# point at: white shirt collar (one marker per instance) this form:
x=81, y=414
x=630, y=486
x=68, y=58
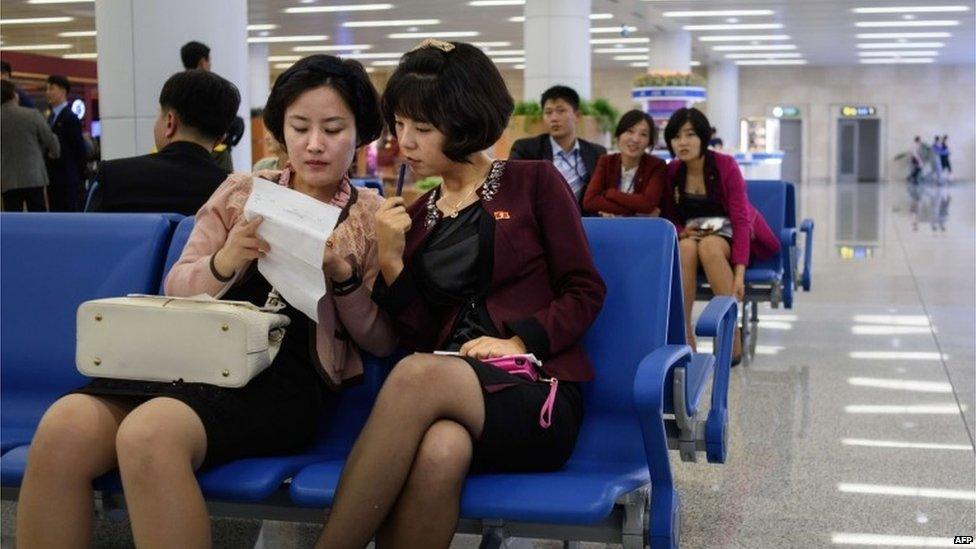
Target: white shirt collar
x=556, y=148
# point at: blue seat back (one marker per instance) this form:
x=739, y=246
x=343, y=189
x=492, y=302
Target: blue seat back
x=636, y=258
x=176, y=245
x=369, y=184
x=51, y=264
x=769, y=197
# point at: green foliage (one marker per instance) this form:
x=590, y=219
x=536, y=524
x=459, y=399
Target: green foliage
x=428, y=183
x=670, y=79
x=601, y=109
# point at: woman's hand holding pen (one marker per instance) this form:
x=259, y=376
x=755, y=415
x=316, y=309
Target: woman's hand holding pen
x=392, y=224
x=242, y=246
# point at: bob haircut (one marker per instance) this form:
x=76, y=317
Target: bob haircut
x=631, y=119
x=702, y=128
x=457, y=89
x=347, y=77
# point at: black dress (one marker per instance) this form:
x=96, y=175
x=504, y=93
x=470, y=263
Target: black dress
x=454, y=268
x=277, y=412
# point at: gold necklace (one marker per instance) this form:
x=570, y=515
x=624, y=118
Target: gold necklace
x=457, y=207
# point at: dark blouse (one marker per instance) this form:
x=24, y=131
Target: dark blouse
x=455, y=270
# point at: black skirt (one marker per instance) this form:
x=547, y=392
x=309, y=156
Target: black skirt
x=512, y=439
x=276, y=413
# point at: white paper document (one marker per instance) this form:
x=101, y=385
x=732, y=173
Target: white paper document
x=296, y=227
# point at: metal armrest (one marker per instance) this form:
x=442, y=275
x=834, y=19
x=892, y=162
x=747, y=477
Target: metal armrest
x=807, y=227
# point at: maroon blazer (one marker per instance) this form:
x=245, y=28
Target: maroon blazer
x=723, y=179
x=544, y=286
x=603, y=193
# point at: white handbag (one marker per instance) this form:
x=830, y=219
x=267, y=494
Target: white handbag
x=198, y=339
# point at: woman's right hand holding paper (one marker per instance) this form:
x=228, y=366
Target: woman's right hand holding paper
x=242, y=246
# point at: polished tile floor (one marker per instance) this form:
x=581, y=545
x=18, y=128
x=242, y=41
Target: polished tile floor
x=854, y=424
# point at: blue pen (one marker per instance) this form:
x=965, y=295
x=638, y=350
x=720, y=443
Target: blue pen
x=399, y=186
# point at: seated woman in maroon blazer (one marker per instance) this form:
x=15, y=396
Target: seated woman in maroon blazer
x=494, y=262
x=717, y=227
x=630, y=182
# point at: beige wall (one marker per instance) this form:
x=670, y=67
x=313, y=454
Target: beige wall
x=912, y=100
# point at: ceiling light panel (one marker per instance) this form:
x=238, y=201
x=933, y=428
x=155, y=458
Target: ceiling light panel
x=391, y=23
x=279, y=39
x=744, y=37
x=912, y=9
x=718, y=13
x=342, y=8
x=884, y=24
x=733, y=27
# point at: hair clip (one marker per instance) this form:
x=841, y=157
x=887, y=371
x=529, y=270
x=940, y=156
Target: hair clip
x=434, y=43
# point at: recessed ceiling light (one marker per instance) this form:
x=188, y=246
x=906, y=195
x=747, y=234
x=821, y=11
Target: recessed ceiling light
x=893, y=60
x=642, y=64
x=519, y=67
x=38, y=47
x=740, y=37
x=422, y=35
x=73, y=34
x=770, y=55
x=732, y=20
x=743, y=26
x=332, y=47
x=292, y=58
x=504, y=53
x=899, y=45
x=908, y=17
x=509, y=60
x=282, y=65
x=610, y=30
x=391, y=23
x=390, y=63
x=890, y=330
x=599, y=16
x=490, y=3
x=342, y=8
x=912, y=9
x=932, y=23
x=635, y=40
x=35, y=20
x=772, y=62
x=756, y=47
x=630, y=58
x=621, y=49
x=695, y=63
x=264, y=33
x=383, y=55
x=413, y=29
x=295, y=38
x=262, y=27
x=517, y=19
x=892, y=35
x=718, y=13
x=491, y=44
x=80, y=56
x=59, y=1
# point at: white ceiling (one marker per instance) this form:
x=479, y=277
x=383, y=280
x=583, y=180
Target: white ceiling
x=822, y=31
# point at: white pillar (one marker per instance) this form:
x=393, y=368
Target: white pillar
x=259, y=75
x=139, y=48
x=723, y=102
x=670, y=52
x=556, y=35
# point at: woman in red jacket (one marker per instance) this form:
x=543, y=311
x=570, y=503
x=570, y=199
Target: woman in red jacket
x=630, y=182
x=494, y=262
x=718, y=229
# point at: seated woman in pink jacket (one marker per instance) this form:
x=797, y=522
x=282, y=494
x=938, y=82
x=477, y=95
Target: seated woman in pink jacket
x=631, y=181
x=158, y=434
x=717, y=227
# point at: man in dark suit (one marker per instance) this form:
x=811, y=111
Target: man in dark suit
x=66, y=174
x=575, y=158
x=195, y=109
x=6, y=73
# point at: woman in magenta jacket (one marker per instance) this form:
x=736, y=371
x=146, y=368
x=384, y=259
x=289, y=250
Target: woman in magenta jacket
x=705, y=184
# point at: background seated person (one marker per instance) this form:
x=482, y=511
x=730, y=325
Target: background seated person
x=708, y=184
x=631, y=181
x=195, y=108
